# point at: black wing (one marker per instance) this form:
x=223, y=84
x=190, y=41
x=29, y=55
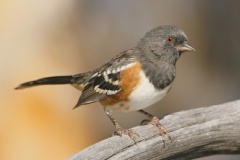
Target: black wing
x=106, y=80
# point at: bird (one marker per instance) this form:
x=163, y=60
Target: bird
x=133, y=80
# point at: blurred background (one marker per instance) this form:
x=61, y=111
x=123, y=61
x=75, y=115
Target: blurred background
x=60, y=37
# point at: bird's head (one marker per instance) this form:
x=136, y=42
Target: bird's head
x=165, y=42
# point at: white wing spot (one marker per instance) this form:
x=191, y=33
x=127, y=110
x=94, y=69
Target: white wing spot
x=94, y=75
x=119, y=70
x=108, y=72
x=101, y=90
x=115, y=82
x=123, y=67
x=97, y=90
x=96, y=87
x=86, y=84
x=114, y=71
x=105, y=76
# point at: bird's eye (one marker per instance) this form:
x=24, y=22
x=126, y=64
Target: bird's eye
x=169, y=39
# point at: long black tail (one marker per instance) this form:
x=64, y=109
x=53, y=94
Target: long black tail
x=47, y=81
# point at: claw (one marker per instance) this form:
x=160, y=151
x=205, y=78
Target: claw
x=130, y=133
x=162, y=130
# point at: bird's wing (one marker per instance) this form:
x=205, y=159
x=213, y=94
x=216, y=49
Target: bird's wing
x=105, y=81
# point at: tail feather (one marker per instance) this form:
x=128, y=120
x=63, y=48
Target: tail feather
x=46, y=81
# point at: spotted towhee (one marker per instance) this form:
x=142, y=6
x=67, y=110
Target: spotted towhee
x=134, y=79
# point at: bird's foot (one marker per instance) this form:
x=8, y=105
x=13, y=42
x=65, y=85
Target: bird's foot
x=162, y=130
x=129, y=132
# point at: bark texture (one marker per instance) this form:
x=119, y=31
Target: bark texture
x=196, y=133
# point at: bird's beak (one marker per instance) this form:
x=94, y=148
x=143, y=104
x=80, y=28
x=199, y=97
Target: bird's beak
x=185, y=47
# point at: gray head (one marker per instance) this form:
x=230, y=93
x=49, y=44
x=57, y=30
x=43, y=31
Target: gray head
x=165, y=43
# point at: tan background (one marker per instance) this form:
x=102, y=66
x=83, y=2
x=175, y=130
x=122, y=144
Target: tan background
x=44, y=38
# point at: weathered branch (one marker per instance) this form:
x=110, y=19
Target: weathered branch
x=196, y=133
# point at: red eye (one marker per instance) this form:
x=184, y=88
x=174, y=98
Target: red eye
x=169, y=39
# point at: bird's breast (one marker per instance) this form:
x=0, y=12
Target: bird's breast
x=141, y=92
x=145, y=94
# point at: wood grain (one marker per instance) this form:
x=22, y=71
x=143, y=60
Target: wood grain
x=196, y=133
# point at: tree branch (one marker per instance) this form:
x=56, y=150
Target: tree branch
x=196, y=133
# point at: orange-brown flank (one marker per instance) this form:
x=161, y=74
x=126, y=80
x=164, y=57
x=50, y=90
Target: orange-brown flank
x=129, y=79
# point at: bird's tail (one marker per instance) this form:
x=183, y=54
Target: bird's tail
x=47, y=81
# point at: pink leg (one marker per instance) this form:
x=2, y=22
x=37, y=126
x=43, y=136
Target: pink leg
x=155, y=122
x=119, y=129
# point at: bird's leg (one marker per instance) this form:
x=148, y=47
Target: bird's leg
x=120, y=131
x=155, y=122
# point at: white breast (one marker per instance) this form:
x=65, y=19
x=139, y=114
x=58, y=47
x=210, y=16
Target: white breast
x=143, y=96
